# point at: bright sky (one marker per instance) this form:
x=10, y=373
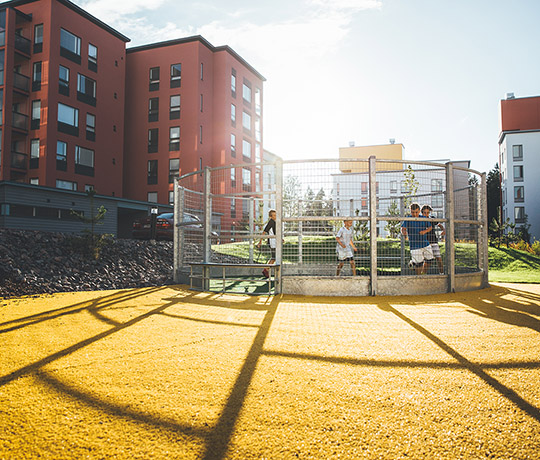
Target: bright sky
x=429, y=73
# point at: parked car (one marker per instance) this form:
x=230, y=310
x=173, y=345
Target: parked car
x=164, y=226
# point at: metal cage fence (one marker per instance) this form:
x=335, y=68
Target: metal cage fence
x=220, y=215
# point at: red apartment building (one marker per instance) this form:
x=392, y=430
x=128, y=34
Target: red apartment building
x=188, y=105
x=62, y=97
x=80, y=112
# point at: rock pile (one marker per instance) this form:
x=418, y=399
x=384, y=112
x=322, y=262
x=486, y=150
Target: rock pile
x=41, y=262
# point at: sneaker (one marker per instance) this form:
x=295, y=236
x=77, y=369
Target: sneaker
x=265, y=273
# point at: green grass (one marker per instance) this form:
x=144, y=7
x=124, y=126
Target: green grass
x=505, y=264
x=513, y=266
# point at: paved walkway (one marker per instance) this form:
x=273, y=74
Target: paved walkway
x=168, y=373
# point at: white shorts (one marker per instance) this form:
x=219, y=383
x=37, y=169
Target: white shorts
x=418, y=256
x=436, y=250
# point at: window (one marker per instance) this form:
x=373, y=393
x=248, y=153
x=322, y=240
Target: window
x=364, y=187
x=61, y=151
x=233, y=83
x=246, y=121
x=257, y=153
x=246, y=149
x=437, y=201
x=233, y=177
x=38, y=38
x=70, y=46
x=364, y=203
x=151, y=197
x=2, y=27
x=246, y=180
x=36, y=114
x=92, y=57
x=517, y=152
x=84, y=161
x=174, y=138
x=201, y=103
x=233, y=114
x=174, y=112
x=257, y=101
x=176, y=75
x=436, y=185
x=90, y=127
x=153, y=140
x=68, y=119
x=171, y=197
x=66, y=185
x=34, y=154
x=257, y=129
x=86, y=90
x=233, y=146
x=246, y=92
x=152, y=177
x=519, y=214
x=518, y=173
x=519, y=193
x=174, y=168
x=34, y=180
x=202, y=71
x=233, y=208
x=200, y=134
x=153, y=109
x=2, y=52
x=36, y=76
x=63, y=80
x=393, y=186
x=154, y=79
x=88, y=187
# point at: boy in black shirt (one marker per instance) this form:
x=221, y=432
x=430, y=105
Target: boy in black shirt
x=270, y=229
x=432, y=238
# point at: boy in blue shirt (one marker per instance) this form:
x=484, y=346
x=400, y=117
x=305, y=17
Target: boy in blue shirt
x=421, y=252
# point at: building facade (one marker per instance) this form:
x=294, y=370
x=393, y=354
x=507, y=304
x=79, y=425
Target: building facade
x=188, y=105
x=80, y=112
x=519, y=161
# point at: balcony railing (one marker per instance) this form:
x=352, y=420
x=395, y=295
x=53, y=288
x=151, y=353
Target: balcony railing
x=20, y=121
x=18, y=160
x=21, y=81
x=22, y=44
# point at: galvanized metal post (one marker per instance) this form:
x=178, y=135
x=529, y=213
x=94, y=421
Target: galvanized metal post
x=178, y=243
x=485, y=224
x=207, y=226
x=373, y=222
x=450, y=231
x=251, y=227
x=402, y=237
x=300, y=232
x=279, y=224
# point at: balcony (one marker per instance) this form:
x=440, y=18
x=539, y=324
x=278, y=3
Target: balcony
x=21, y=82
x=18, y=160
x=23, y=44
x=20, y=121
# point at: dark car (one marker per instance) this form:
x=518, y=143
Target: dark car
x=164, y=226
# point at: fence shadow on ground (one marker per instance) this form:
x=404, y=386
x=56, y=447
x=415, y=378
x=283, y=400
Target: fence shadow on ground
x=492, y=303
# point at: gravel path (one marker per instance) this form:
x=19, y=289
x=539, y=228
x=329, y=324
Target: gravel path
x=166, y=373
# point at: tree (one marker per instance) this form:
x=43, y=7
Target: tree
x=411, y=186
x=291, y=196
x=94, y=243
x=393, y=226
x=493, y=182
x=523, y=230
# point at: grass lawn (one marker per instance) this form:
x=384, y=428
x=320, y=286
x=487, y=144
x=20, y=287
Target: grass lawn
x=505, y=264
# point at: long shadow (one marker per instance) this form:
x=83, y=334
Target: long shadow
x=220, y=436
x=502, y=389
x=93, y=306
x=495, y=307
x=73, y=348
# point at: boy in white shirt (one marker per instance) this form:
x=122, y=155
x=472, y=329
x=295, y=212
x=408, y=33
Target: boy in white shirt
x=345, y=246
